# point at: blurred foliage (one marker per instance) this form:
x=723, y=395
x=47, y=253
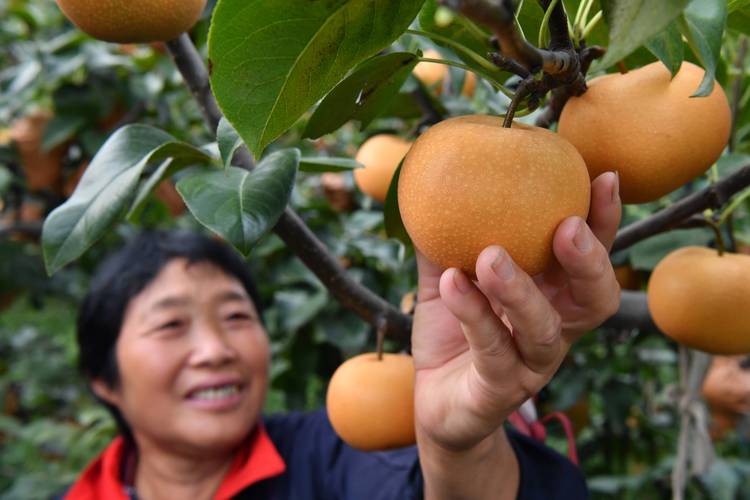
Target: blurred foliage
x=619, y=387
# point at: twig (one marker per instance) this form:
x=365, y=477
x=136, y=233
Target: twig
x=711, y=197
x=510, y=65
x=290, y=228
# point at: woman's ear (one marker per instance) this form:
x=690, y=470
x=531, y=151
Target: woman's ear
x=104, y=392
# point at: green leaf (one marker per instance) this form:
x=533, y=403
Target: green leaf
x=730, y=163
x=229, y=141
x=739, y=20
x=632, y=23
x=153, y=180
x=271, y=61
x=668, y=47
x=107, y=190
x=733, y=5
x=394, y=226
x=530, y=18
x=242, y=205
x=703, y=25
x=646, y=254
x=363, y=95
x=324, y=164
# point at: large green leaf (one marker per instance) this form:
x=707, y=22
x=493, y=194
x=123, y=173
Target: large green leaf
x=668, y=47
x=271, y=61
x=703, y=25
x=363, y=95
x=242, y=205
x=107, y=190
x=633, y=22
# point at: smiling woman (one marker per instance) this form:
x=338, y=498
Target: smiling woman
x=172, y=341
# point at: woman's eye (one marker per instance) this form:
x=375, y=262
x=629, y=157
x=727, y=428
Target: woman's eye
x=238, y=316
x=171, y=325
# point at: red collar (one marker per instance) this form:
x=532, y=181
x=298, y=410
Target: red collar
x=258, y=459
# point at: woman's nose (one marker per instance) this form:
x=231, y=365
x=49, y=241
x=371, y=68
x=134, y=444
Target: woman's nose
x=211, y=345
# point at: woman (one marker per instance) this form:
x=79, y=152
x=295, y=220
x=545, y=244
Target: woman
x=172, y=341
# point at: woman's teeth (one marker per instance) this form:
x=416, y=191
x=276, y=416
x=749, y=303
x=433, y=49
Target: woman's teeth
x=216, y=392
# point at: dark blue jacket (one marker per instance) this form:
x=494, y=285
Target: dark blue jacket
x=298, y=456
x=321, y=467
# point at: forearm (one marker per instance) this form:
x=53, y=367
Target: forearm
x=487, y=471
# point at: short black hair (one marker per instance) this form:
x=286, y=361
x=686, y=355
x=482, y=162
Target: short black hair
x=122, y=276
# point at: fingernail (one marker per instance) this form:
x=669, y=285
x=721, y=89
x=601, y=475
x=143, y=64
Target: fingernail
x=503, y=266
x=462, y=282
x=616, y=187
x=582, y=238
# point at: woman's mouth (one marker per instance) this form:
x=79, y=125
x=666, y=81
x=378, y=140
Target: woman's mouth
x=219, y=397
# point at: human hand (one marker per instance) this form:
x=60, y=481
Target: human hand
x=481, y=349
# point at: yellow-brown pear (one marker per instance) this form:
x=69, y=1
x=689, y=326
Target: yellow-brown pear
x=370, y=401
x=468, y=183
x=646, y=126
x=133, y=21
x=701, y=299
x=380, y=155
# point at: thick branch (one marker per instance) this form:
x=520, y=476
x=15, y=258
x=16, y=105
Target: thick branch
x=711, y=197
x=190, y=63
x=326, y=267
x=290, y=227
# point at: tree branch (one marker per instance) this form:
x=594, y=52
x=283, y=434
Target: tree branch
x=290, y=228
x=564, y=67
x=190, y=64
x=499, y=16
x=711, y=197
x=633, y=313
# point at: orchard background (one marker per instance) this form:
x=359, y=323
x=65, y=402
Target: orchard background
x=66, y=99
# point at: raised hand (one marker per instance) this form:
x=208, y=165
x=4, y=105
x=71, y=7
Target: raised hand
x=482, y=348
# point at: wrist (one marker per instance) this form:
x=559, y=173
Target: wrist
x=487, y=470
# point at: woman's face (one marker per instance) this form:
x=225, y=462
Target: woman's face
x=193, y=360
